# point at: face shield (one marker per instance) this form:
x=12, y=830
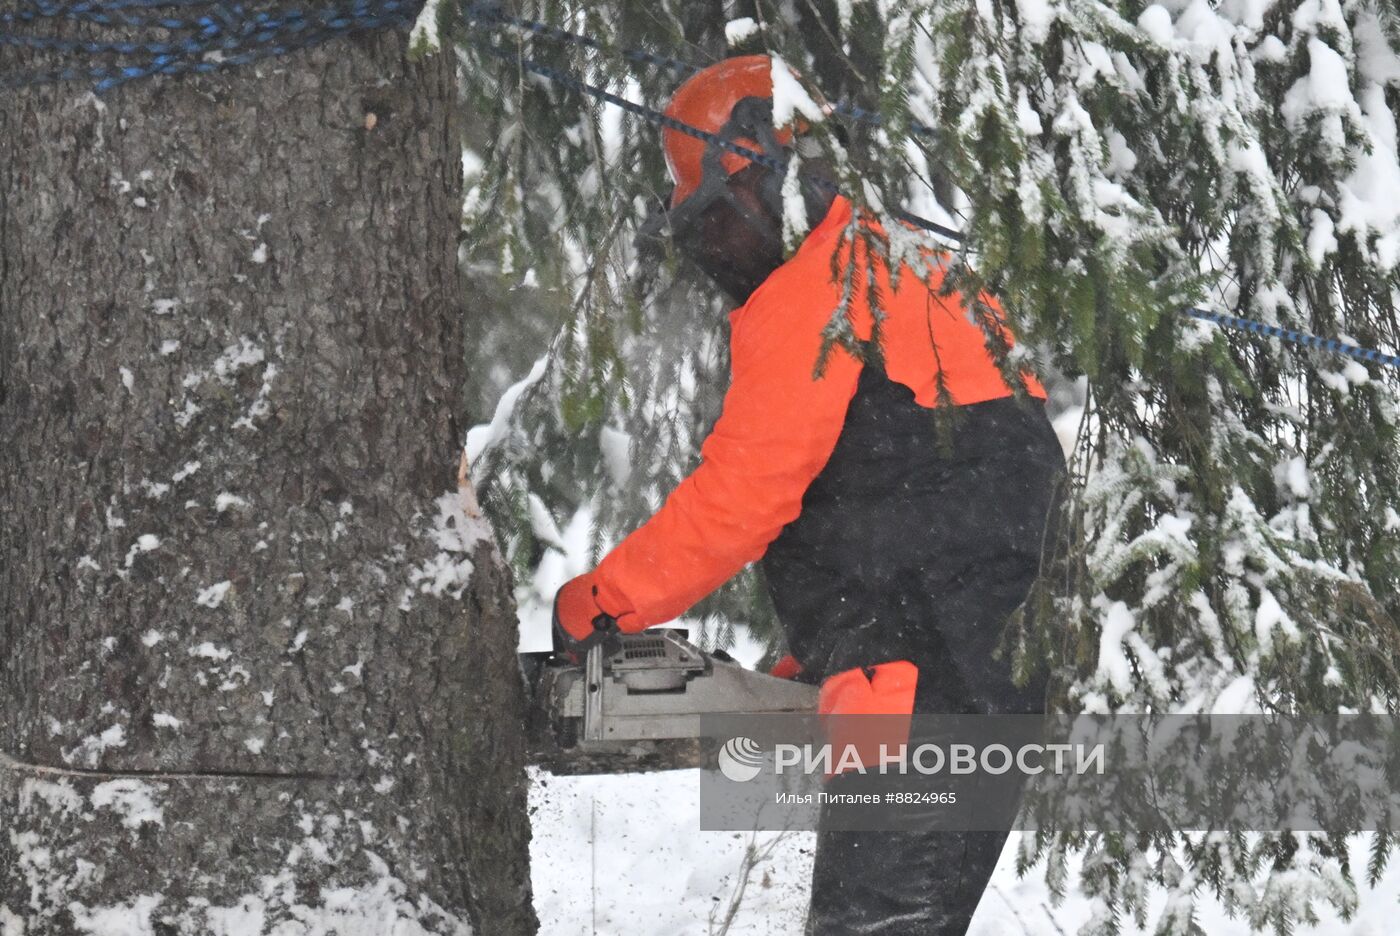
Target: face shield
x=731, y=224
x=750, y=125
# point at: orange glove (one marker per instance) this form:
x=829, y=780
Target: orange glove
x=786, y=668
x=578, y=620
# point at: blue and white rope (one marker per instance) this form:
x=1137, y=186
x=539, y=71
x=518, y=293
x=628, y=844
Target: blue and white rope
x=1333, y=345
x=191, y=36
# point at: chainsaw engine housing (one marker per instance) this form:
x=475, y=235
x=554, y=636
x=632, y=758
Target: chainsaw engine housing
x=637, y=701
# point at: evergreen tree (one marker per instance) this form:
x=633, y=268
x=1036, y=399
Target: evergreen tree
x=257, y=656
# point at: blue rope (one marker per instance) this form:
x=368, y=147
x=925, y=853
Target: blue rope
x=105, y=13
x=1370, y=355
x=217, y=35
x=260, y=29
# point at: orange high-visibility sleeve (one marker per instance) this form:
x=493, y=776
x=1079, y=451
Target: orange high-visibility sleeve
x=776, y=431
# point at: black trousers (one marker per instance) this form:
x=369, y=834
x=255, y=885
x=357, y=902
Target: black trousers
x=900, y=883
x=929, y=883
x=917, y=542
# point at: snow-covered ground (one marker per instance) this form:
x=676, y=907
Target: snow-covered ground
x=623, y=856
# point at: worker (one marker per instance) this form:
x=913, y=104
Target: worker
x=895, y=547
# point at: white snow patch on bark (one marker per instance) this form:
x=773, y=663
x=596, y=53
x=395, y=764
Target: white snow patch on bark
x=213, y=596
x=133, y=919
x=237, y=678
x=144, y=544
x=154, y=489
x=90, y=750
x=211, y=652
x=380, y=908
x=133, y=799
x=456, y=535
x=247, y=917
x=236, y=357
x=11, y=924
x=164, y=720
x=59, y=797
x=188, y=469
x=226, y=501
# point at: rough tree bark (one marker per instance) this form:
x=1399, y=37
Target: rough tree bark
x=256, y=660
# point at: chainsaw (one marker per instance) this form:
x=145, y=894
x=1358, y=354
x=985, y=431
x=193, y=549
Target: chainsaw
x=635, y=702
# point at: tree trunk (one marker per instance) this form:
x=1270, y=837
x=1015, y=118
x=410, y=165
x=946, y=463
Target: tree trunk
x=257, y=659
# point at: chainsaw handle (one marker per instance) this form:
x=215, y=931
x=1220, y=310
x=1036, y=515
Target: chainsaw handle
x=604, y=628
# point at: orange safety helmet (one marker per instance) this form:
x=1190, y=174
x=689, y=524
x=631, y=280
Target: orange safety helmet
x=706, y=101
